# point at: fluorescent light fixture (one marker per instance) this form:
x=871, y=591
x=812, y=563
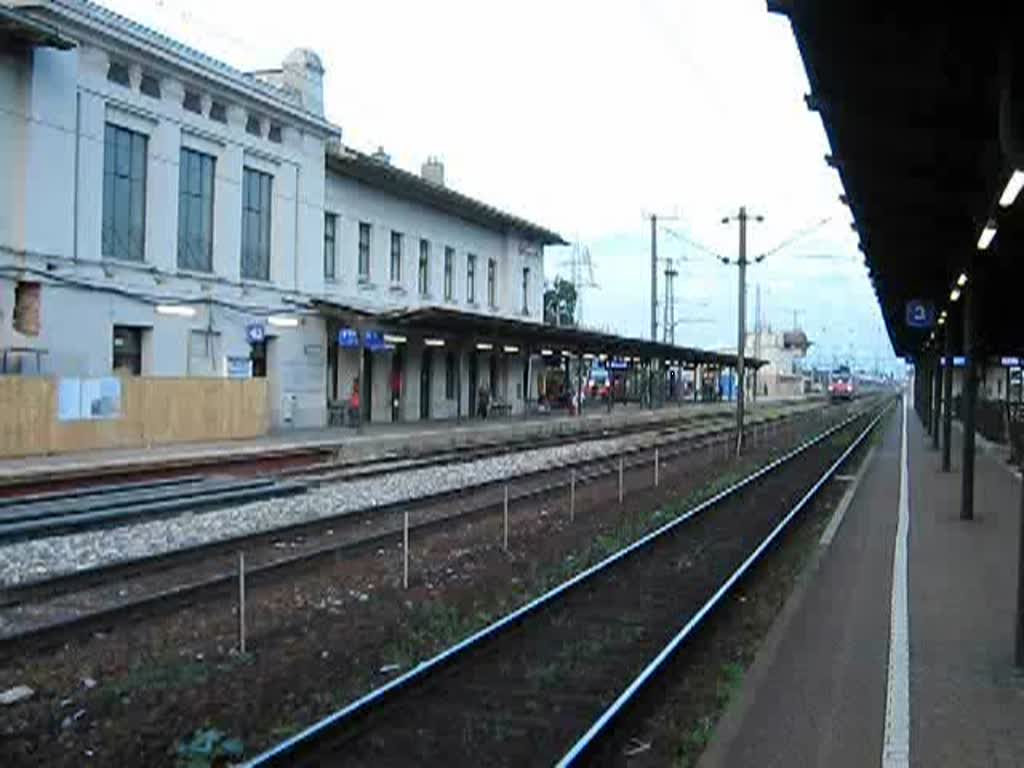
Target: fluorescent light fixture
x=954, y=294
x=483, y=346
x=1013, y=187
x=178, y=310
x=566, y=353
x=547, y=352
x=942, y=320
x=962, y=280
x=588, y=356
x=283, y=321
x=636, y=359
x=434, y=342
x=987, y=234
x=602, y=357
x=510, y=349
x=392, y=338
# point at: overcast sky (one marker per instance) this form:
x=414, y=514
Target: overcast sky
x=586, y=116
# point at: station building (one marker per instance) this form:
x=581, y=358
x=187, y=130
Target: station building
x=165, y=215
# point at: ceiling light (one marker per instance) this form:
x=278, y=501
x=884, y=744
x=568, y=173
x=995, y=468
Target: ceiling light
x=434, y=342
x=962, y=280
x=391, y=338
x=512, y=350
x=547, y=352
x=566, y=353
x=954, y=294
x=483, y=346
x=588, y=356
x=942, y=320
x=283, y=321
x=178, y=310
x=987, y=234
x=1013, y=187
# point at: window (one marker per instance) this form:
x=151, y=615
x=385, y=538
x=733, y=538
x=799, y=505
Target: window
x=330, y=233
x=252, y=125
x=424, y=271
x=471, y=278
x=26, y=308
x=274, y=134
x=150, y=86
x=256, y=224
x=364, y=250
x=219, y=112
x=526, y=290
x=258, y=357
x=124, y=194
x=492, y=287
x=117, y=72
x=449, y=375
x=192, y=102
x=195, y=211
x=449, y=266
x=127, y=350
x=396, y=257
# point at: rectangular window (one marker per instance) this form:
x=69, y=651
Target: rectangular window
x=127, y=350
x=526, y=290
x=117, y=72
x=256, y=190
x=364, y=250
x=124, y=194
x=150, y=86
x=449, y=375
x=195, y=211
x=449, y=267
x=192, y=102
x=330, y=234
x=424, y=269
x=492, y=286
x=471, y=278
x=396, y=257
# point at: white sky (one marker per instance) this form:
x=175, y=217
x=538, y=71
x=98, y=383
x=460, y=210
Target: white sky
x=584, y=116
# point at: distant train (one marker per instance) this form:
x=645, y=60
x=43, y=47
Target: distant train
x=841, y=384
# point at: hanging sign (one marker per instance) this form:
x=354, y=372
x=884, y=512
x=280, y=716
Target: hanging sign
x=256, y=333
x=348, y=338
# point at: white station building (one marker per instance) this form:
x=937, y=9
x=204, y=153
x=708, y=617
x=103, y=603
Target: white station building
x=162, y=214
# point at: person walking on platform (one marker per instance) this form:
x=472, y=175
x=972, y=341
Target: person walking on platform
x=482, y=400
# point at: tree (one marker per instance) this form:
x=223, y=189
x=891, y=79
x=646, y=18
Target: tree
x=560, y=303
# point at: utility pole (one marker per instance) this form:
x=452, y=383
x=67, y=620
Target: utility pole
x=654, y=277
x=741, y=331
x=669, y=318
x=757, y=333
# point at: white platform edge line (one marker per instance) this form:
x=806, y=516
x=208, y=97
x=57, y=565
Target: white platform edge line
x=896, y=743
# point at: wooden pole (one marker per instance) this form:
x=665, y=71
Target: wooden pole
x=405, y=552
x=620, y=479
x=241, y=602
x=655, y=467
x=572, y=495
x=505, y=540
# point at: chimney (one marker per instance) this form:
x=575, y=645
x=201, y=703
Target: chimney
x=303, y=74
x=381, y=156
x=433, y=171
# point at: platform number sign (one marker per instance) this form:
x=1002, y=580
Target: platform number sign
x=920, y=314
x=255, y=333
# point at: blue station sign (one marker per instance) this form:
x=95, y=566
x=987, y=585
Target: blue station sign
x=920, y=314
x=255, y=333
x=348, y=338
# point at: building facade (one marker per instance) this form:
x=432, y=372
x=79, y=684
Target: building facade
x=166, y=215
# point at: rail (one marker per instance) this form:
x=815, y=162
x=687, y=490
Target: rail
x=308, y=739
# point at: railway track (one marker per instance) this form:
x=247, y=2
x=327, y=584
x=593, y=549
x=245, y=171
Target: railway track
x=155, y=585
x=546, y=683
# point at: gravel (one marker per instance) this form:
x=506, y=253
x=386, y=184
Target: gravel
x=48, y=557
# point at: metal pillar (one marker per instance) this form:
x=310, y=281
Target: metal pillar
x=947, y=398
x=654, y=278
x=968, y=401
x=1018, y=646
x=741, y=330
x=937, y=409
x=579, y=383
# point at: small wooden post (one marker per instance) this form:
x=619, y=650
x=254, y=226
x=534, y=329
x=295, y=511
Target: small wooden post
x=572, y=495
x=241, y=602
x=655, y=467
x=505, y=541
x=405, y=552
x=620, y=478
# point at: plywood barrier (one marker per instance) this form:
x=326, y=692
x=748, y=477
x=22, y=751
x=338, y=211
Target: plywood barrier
x=153, y=411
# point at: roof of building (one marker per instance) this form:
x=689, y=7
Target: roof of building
x=473, y=326
x=381, y=174
x=92, y=15
x=925, y=127
x=16, y=25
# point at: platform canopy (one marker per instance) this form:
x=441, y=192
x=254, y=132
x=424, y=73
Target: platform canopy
x=924, y=110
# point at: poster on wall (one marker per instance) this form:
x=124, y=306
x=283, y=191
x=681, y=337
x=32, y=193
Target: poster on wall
x=238, y=367
x=81, y=399
x=69, y=399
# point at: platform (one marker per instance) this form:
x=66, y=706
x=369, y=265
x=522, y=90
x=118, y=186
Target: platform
x=374, y=440
x=817, y=692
